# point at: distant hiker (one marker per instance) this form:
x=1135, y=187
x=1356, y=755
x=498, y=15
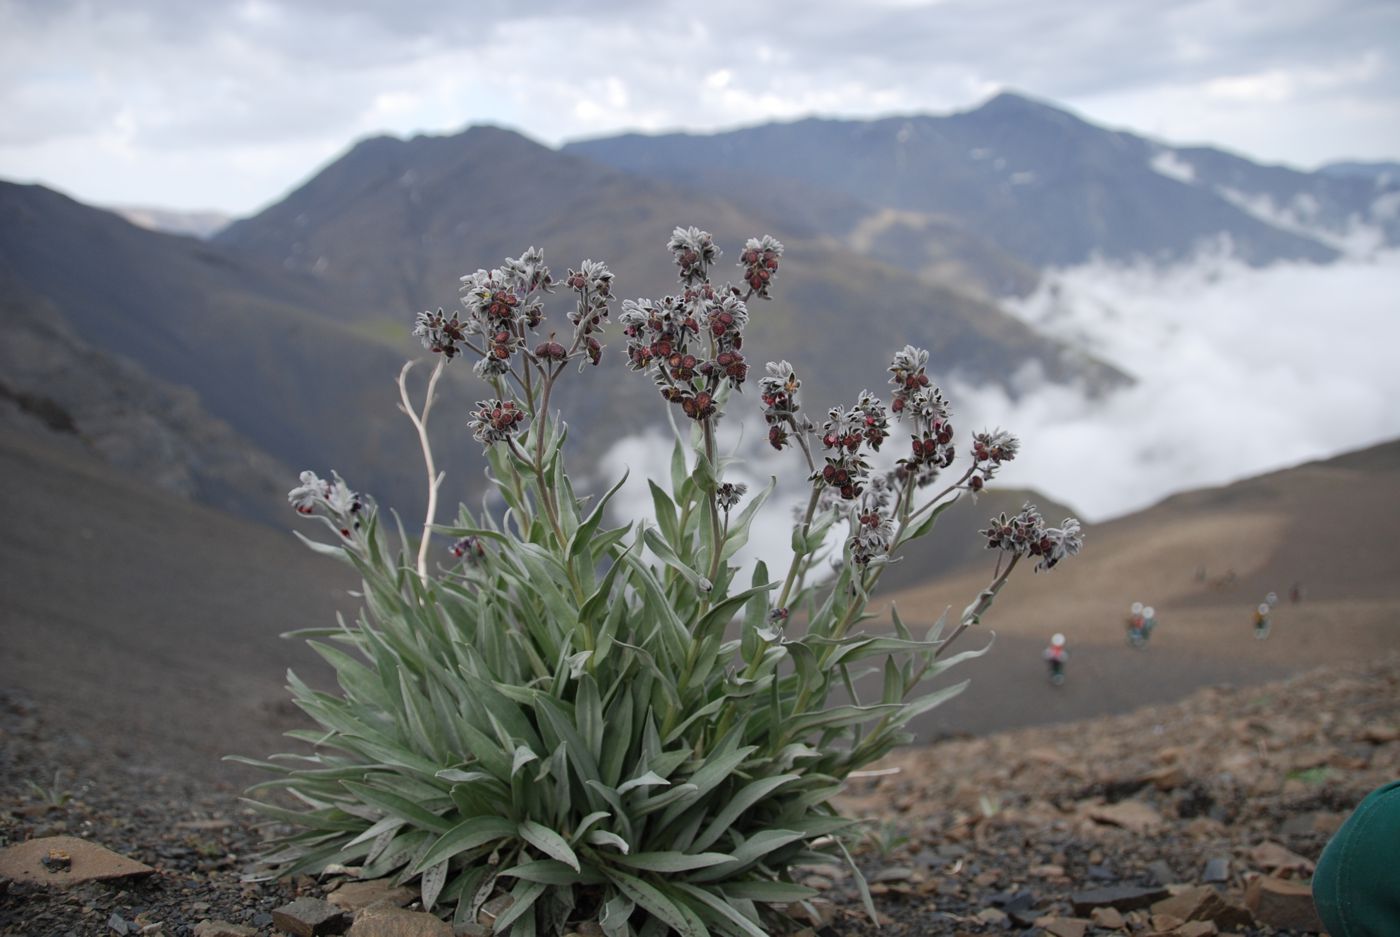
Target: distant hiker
x=1149, y=622
x=1271, y=599
x=1295, y=593
x=1139, y=624
x=1261, y=622
x=1055, y=656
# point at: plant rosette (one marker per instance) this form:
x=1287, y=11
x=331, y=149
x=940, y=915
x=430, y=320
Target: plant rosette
x=583, y=722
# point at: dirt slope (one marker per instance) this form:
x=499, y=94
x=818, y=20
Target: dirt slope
x=1204, y=560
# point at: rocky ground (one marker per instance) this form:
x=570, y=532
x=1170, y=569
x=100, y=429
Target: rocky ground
x=1190, y=819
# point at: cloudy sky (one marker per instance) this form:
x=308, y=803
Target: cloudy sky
x=225, y=104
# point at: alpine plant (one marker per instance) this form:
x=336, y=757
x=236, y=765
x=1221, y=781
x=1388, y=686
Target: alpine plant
x=546, y=721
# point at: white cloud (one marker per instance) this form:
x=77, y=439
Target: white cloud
x=202, y=85
x=1240, y=371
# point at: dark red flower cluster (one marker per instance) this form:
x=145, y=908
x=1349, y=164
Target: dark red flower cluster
x=440, y=334
x=690, y=344
x=695, y=252
x=593, y=284
x=1026, y=534
x=470, y=548
x=495, y=420
x=778, y=391
x=760, y=263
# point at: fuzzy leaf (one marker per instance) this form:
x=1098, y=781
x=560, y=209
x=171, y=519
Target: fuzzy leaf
x=673, y=861
x=470, y=833
x=548, y=842
x=658, y=904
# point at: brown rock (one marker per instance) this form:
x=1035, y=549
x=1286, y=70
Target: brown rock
x=1281, y=903
x=1273, y=857
x=378, y=893
x=77, y=861
x=1168, y=777
x=1063, y=926
x=223, y=929
x=310, y=917
x=1108, y=918
x=993, y=916
x=1197, y=929
x=1379, y=735
x=1166, y=923
x=395, y=922
x=1203, y=903
x=1132, y=815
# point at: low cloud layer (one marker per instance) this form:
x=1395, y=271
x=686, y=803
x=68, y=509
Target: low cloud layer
x=1239, y=371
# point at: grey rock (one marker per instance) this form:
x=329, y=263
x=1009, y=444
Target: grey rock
x=1217, y=870
x=1118, y=897
x=310, y=917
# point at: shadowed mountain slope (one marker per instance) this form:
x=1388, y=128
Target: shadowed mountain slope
x=263, y=349
x=399, y=221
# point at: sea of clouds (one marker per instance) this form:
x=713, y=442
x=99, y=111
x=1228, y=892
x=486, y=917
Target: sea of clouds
x=1236, y=371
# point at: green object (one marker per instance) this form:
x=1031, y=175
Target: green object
x=1357, y=885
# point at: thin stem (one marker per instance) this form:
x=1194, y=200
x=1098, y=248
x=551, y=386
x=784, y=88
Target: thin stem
x=420, y=423
x=797, y=557
x=973, y=613
x=712, y=500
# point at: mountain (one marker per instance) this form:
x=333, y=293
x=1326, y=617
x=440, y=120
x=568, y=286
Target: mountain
x=1382, y=172
x=1034, y=181
x=397, y=222
x=98, y=402
x=200, y=224
x=264, y=350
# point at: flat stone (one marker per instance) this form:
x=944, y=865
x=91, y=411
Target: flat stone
x=1063, y=926
x=1161, y=873
x=1283, y=904
x=1197, y=929
x=377, y=893
x=1108, y=918
x=1120, y=897
x=394, y=922
x=1203, y=903
x=993, y=917
x=1166, y=923
x=1217, y=870
x=223, y=929
x=310, y=917
x=70, y=861
x=1274, y=857
x=1132, y=815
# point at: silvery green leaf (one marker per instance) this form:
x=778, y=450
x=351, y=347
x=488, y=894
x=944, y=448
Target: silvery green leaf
x=605, y=838
x=578, y=663
x=669, y=862
x=433, y=880
x=549, y=842
x=648, y=897
x=724, y=909
x=523, y=756
x=649, y=779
